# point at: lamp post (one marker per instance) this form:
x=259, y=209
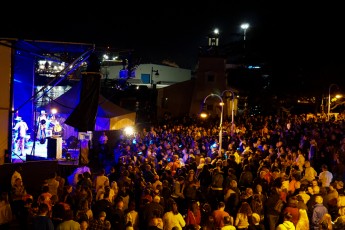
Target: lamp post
x=151, y=77
x=221, y=120
x=329, y=100
x=232, y=108
x=244, y=27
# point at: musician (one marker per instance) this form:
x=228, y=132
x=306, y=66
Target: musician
x=42, y=125
x=21, y=127
x=54, y=125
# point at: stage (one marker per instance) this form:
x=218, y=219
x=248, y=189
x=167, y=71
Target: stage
x=35, y=151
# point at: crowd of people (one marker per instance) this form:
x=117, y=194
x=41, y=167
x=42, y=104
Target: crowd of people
x=270, y=173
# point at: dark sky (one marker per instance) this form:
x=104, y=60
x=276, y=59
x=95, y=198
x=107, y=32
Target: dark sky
x=291, y=34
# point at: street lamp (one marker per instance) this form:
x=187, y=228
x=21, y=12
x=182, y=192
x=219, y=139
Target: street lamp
x=232, y=108
x=329, y=100
x=221, y=119
x=213, y=38
x=244, y=27
x=151, y=77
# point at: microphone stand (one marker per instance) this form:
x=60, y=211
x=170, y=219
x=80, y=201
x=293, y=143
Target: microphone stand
x=35, y=134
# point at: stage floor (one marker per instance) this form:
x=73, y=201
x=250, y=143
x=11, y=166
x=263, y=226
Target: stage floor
x=34, y=149
x=39, y=152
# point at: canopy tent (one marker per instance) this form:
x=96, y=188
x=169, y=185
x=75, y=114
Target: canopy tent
x=113, y=117
x=109, y=115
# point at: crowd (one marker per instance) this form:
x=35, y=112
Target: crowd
x=270, y=173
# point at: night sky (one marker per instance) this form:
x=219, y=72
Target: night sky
x=301, y=42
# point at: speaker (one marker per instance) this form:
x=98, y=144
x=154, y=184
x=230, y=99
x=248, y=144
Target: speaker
x=54, y=148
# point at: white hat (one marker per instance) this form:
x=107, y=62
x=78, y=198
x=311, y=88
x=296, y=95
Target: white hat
x=256, y=217
x=43, y=112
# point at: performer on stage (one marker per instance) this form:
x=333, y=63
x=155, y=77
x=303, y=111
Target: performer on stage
x=15, y=132
x=42, y=125
x=54, y=126
x=21, y=127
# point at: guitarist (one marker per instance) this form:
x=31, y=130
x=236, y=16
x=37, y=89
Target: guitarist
x=54, y=125
x=42, y=125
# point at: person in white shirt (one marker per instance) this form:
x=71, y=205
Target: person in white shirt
x=103, y=139
x=100, y=180
x=325, y=177
x=21, y=127
x=173, y=218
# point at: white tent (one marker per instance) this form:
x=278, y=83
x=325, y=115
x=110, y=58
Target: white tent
x=113, y=117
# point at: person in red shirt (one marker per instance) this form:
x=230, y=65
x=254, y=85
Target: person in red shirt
x=292, y=209
x=193, y=214
x=219, y=215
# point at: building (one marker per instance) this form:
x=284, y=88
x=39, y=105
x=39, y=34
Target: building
x=186, y=98
x=148, y=75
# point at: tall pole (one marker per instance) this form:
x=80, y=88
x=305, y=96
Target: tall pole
x=151, y=77
x=329, y=101
x=220, y=122
x=244, y=38
x=232, y=108
x=232, y=114
x=221, y=130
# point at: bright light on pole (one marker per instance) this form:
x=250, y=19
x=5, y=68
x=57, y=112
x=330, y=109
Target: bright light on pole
x=329, y=100
x=221, y=119
x=244, y=27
